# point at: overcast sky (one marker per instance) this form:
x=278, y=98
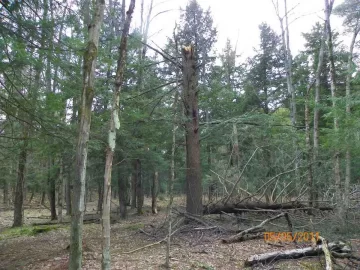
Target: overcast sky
x=241, y=18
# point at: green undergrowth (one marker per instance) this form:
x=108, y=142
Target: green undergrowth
x=27, y=231
x=134, y=227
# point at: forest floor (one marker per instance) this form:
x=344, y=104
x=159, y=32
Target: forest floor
x=47, y=248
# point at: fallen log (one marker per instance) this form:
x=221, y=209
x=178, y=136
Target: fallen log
x=218, y=208
x=240, y=236
x=339, y=247
x=327, y=254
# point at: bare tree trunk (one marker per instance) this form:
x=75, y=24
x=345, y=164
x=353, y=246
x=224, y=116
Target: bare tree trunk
x=172, y=166
x=88, y=91
x=19, y=193
x=133, y=189
x=27, y=127
x=236, y=154
x=68, y=194
x=122, y=184
x=190, y=97
x=52, y=189
x=61, y=191
x=43, y=196
x=154, y=192
x=337, y=177
x=100, y=198
x=288, y=68
x=309, y=150
x=348, y=112
x=139, y=187
x=114, y=125
x=313, y=190
x=6, y=193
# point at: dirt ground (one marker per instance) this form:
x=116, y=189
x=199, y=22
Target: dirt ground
x=190, y=249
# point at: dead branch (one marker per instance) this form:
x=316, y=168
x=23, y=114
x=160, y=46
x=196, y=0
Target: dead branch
x=327, y=253
x=293, y=253
x=239, y=207
x=240, y=236
x=164, y=240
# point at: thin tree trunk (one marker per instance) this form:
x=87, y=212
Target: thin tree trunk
x=172, y=166
x=52, y=189
x=154, y=192
x=100, y=197
x=114, y=125
x=236, y=154
x=68, y=194
x=336, y=157
x=133, y=189
x=348, y=112
x=6, y=193
x=88, y=91
x=309, y=150
x=313, y=190
x=43, y=196
x=139, y=187
x=190, y=97
x=285, y=34
x=122, y=185
x=61, y=191
x=19, y=193
x=128, y=191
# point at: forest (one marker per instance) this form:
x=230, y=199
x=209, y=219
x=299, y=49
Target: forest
x=117, y=152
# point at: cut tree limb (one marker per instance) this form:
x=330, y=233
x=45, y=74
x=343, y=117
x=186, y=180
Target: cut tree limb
x=240, y=236
x=218, y=208
x=293, y=254
x=327, y=253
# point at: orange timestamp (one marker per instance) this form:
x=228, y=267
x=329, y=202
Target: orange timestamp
x=291, y=237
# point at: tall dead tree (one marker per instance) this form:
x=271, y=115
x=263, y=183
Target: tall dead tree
x=336, y=158
x=193, y=166
x=313, y=189
x=114, y=125
x=88, y=91
x=351, y=13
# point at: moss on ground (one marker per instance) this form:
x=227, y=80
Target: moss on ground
x=27, y=231
x=134, y=227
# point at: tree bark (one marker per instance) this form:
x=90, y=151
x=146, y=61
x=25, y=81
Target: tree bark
x=314, y=189
x=139, y=187
x=19, y=192
x=61, y=191
x=190, y=97
x=154, y=192
x=348, y=112
x=52, y=189
x=309, y=150
x=133, y=189
x=88, y=90
x=114, y=125
x=6, y=193
x=122, y=185
x=291, y=254
x=100, y=197
x=68, y=194
x=336, y=157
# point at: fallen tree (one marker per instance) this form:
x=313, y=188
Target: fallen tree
x=218, y=208
x=246, y=234
x=338, y=247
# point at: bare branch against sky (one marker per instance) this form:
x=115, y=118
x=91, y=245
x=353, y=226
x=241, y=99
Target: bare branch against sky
x=241, y=18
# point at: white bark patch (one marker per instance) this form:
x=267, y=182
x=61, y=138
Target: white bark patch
x=112, y=140
x=116, y=119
